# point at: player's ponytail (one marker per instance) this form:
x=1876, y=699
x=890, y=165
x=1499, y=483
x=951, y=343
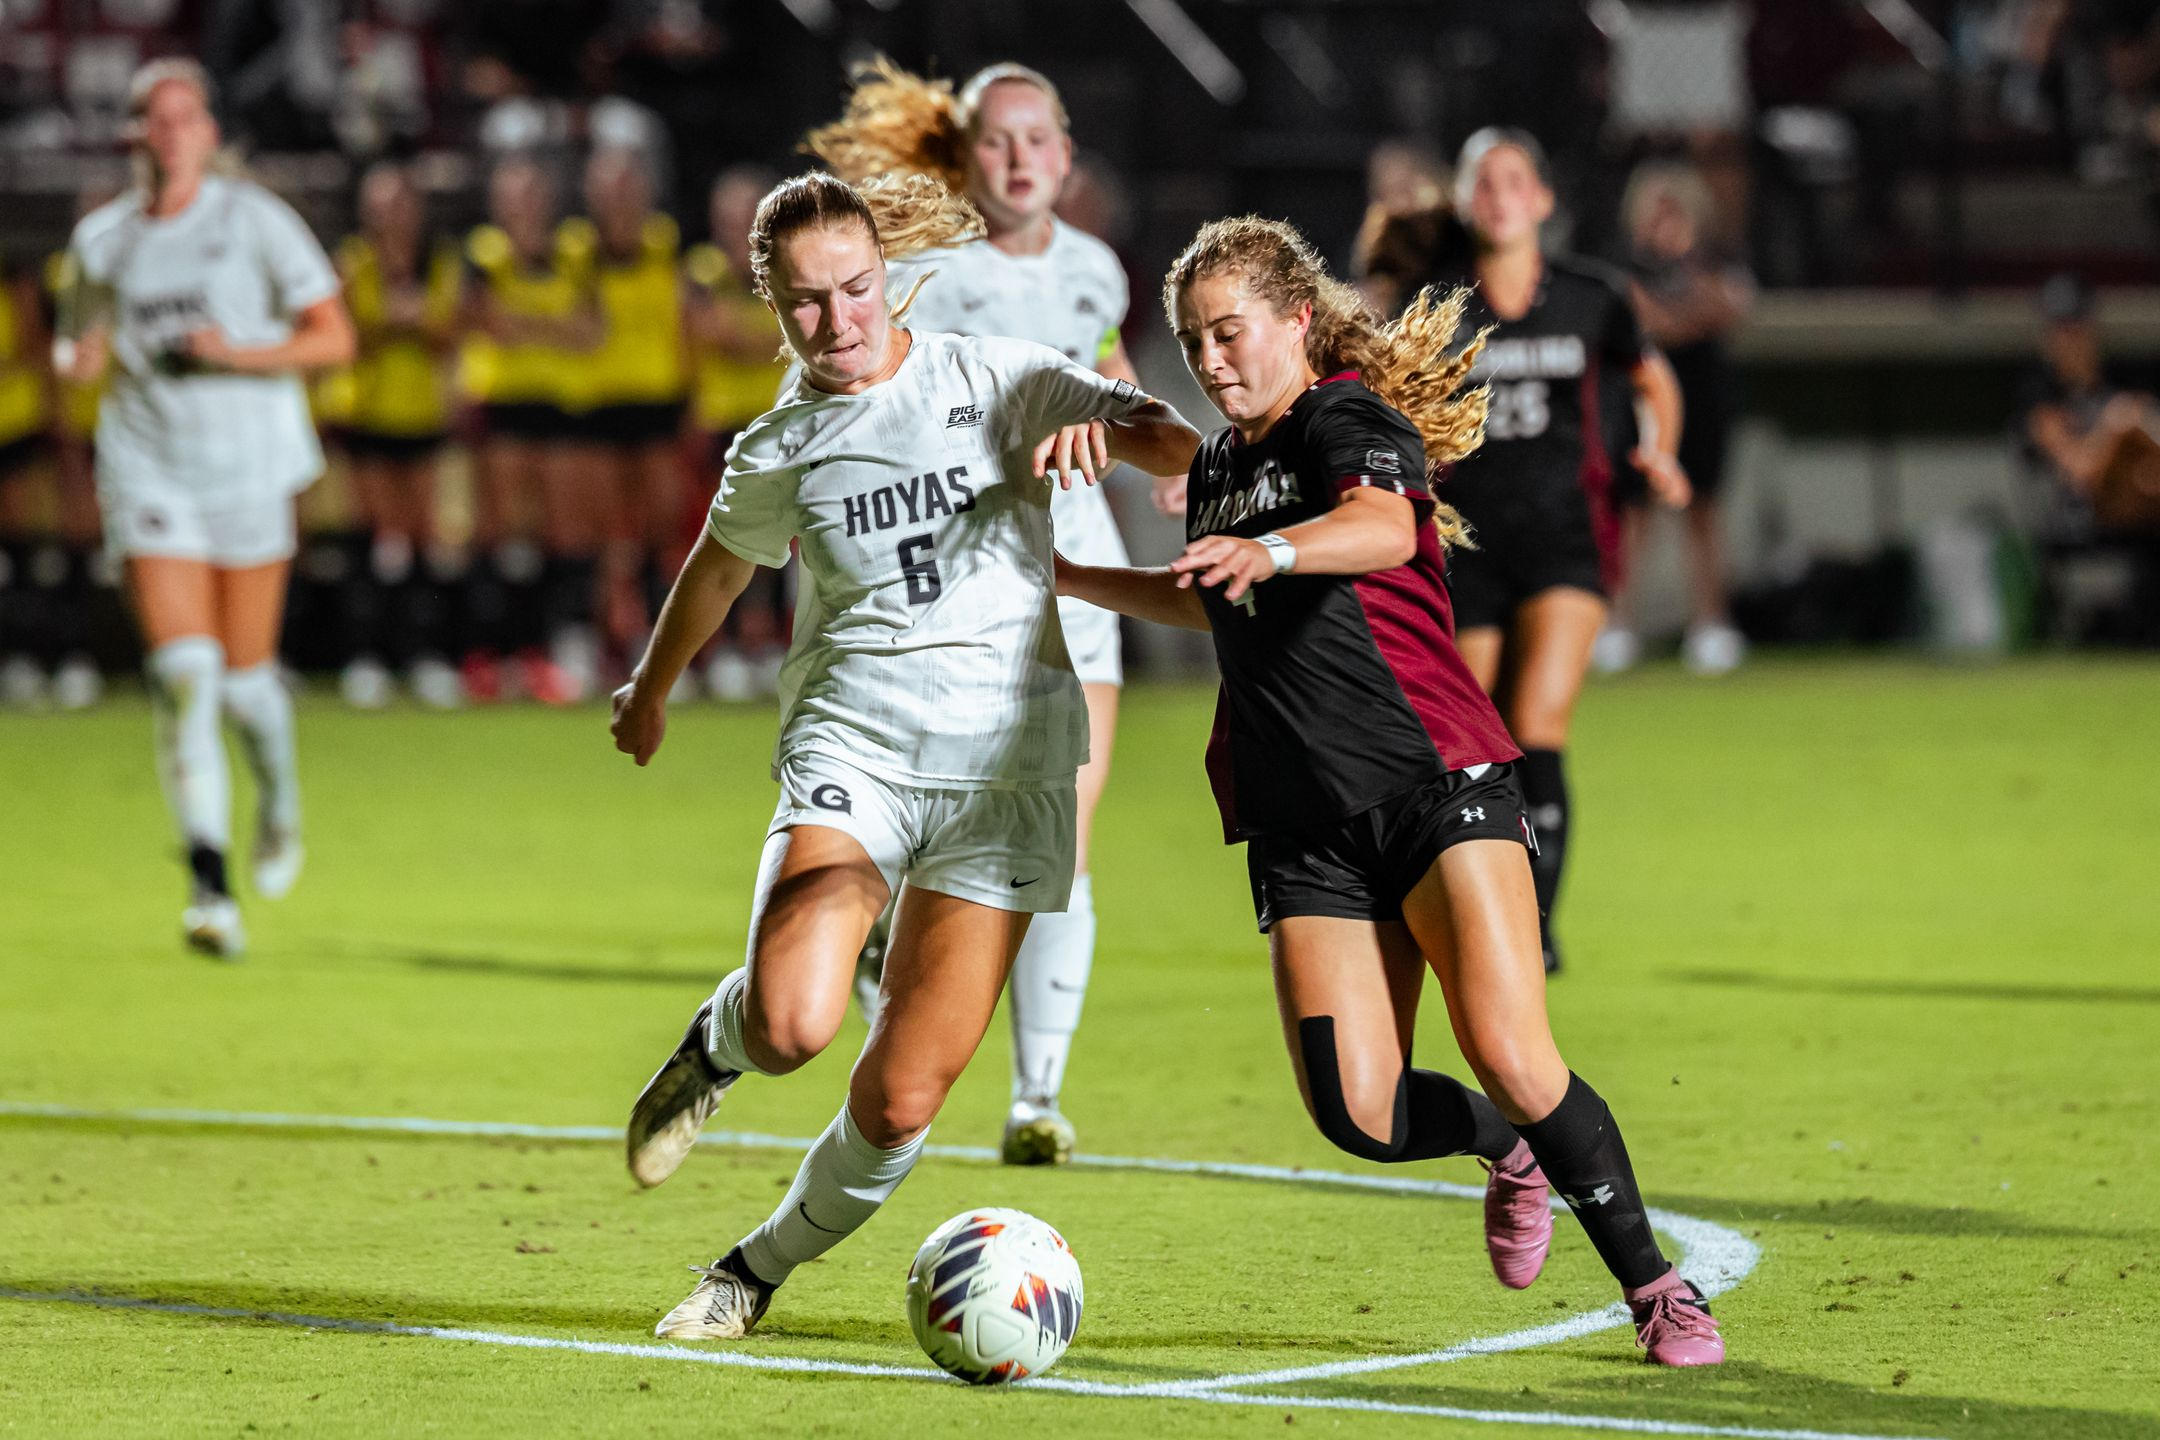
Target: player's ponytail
x=1406, y=362
x=902, y=214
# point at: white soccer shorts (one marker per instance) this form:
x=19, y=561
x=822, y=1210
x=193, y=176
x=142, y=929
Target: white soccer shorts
x=1087, y=534
x=1008, y=849
x=231, y=537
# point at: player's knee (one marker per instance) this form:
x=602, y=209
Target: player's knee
x=1510, y=1075
x=785, y=1042
x=1352, y=1118
x=896, y=1113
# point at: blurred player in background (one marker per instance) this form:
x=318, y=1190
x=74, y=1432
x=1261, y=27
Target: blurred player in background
x=207, y=296
x=736, y=371
x=1538, y=494
x=931, y=722
x=530, y=316
x=404, y=292
x=1004, y=141
x=632, y=388
x=1318, y=558
x=1689, y=302
x=26, y=600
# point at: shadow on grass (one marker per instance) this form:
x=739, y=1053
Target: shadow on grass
x=1743, y=1392
x=1921, y=989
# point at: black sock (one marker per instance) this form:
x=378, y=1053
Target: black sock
x=1435, y=1115
x=207, y=864
x=1544, y=783
x=70, y=633
x=484, y=618
x=567, y=601
x=1580, y=1149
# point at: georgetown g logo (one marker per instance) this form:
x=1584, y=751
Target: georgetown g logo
x=832, y=797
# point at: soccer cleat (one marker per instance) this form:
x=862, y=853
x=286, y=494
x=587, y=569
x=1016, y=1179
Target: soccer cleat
x=1518, y=1221
x=480, y=676
x=211, y=926
x=22, y=683
x=674, y=1106
x=1552, y=958
x=277, y=861
x=1616, y=650
x=435, y=684
x=1036, y=1134
x=77, y=684
x=870, y=968
x=1714, y=648
x=1673, y=1324
x=365, y=684
x=727, y=1302
x=728, y=677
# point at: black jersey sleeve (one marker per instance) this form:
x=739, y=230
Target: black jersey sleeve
x=1364, y=443
x=1623, y=339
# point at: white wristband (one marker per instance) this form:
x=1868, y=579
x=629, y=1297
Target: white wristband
x=1284, y=552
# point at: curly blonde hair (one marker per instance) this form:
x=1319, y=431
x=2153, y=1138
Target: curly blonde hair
x=1404, y=361
x=903, y=215
x=898, y=122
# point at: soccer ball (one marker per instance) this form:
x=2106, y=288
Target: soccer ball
x=994, y=1295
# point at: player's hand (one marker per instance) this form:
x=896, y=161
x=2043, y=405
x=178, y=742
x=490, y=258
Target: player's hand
x=1169, y=495
x=638, y=723
x=1224, y=560
x=1082, y=448
x=209, y=348
x=1668, y=482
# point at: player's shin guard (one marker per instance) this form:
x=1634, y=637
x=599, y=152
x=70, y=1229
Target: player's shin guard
x=186, y=676
x=1435, y=1114
x=842, y=1182
x=1579, y=1147
x=1545, y=792
x=1049, y=985
x=261, y=710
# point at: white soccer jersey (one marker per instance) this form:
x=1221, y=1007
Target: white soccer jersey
x=1071, y=297
x=927, y=646
x=239, y=259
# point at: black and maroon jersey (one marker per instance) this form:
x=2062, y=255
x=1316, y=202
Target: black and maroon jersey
x=1556, y=373
x=1337, y=690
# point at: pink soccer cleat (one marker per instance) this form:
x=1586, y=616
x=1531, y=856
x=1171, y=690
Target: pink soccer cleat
x=1518, y=1221
x=1673, y=1324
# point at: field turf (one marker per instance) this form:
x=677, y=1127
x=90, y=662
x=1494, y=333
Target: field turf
x=1862, y=953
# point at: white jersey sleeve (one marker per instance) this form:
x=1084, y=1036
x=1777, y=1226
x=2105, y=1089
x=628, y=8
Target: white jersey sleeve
x=291, y=256
x=753, y=513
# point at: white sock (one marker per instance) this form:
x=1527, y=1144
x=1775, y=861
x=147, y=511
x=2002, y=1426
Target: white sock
x=256, y=702
x=1049, y=983
x=185, y=677
x=723, y=1028
x=842, y=1182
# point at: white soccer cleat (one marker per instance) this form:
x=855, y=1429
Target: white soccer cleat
x=1616, y=649
x=724, y=1306
x=674, y=1106
x=365, y=683
x=1036, y=1134
x=277, y=861
x=436, y=684
x=22, y=683
x=729, y=677
x=1714, y=649
x=77, y=684
x=212, y=927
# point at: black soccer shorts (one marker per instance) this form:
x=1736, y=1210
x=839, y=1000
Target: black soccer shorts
x=1361, y=866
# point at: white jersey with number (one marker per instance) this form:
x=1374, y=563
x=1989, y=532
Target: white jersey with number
x=239, y=260
x=927, y=645
x=1071, y=297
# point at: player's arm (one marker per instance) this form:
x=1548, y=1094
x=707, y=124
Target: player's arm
x=82, y=324
x=322, y=339
x=1168, y=488
x=1657, y=393
x=1151, y=437
x=1369, y=529
x=711, y=580
x=1159, y=595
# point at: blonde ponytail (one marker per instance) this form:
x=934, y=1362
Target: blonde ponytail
x=895, y=123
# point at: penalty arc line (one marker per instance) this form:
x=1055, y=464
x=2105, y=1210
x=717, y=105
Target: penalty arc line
x=787, y=1364
x=1715, y=1257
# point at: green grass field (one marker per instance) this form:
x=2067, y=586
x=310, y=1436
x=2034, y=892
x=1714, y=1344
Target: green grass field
x=1866, y=955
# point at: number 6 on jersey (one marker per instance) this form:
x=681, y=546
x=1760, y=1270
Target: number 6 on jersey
x=919, y=565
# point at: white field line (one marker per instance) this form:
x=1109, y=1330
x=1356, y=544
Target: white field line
x=1713, y=1256
x=787, y=1364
